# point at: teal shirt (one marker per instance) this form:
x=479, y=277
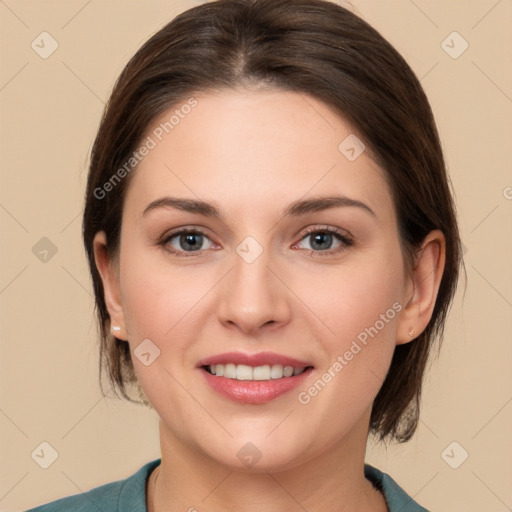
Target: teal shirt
x=129, y=495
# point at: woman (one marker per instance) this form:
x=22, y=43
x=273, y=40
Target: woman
x=274, y=249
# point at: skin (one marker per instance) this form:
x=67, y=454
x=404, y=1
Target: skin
x=251, y=153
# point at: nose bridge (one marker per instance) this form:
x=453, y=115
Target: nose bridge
x=251, y=282
x=252, y=295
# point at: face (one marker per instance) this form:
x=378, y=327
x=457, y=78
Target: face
x=274, y=279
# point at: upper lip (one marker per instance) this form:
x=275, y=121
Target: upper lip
x=258, y=359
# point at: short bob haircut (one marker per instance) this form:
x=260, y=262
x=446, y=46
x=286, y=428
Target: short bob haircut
x=312, y=47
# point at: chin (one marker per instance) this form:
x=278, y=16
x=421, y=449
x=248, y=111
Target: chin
x=258, y=454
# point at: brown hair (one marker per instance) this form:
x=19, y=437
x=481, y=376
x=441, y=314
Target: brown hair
x=309, y=46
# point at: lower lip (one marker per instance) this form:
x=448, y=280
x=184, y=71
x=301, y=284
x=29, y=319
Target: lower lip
x=254, y=391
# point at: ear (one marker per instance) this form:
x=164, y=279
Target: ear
x=109, y=273
x=422, y=287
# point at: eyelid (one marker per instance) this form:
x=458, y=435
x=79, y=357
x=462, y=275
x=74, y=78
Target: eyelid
x=343, y=237
x=165, y=239
x=321, y=228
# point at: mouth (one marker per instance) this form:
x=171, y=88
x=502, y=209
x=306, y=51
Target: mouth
x=246, y=372
x=253, y=378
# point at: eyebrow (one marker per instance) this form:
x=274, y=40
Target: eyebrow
x=295, y=209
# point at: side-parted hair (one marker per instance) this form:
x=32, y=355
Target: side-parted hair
x=313, y=47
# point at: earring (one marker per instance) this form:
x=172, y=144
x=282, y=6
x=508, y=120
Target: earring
x=411, y=333
x=115, y=329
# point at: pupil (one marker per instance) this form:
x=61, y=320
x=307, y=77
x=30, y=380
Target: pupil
x=188, y=240
x=319, y=237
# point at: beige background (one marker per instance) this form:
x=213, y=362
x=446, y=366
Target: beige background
x=50, y=112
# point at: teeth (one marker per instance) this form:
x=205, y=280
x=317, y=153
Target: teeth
x=288, y=371
x=246, y=372
x=276, y=372
x=243, y=372
x=230, y=371
x=261, y=372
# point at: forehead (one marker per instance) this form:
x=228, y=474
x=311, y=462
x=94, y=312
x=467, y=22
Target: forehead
x=257, y=150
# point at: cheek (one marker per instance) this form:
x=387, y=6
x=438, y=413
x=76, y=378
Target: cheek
x=156, y=297
x=359, y=307
x=159, y=305
x=359, y=353
x=352, y=297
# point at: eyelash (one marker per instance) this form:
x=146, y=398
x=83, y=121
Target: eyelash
x=346, y=241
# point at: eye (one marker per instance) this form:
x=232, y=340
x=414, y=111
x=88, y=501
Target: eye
x=322, y=239
x=191, y=242
x=185, y=242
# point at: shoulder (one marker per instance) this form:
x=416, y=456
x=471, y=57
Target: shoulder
x=396, y=498
x=122, y=495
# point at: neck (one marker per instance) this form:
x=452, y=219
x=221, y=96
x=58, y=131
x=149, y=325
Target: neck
x=332, y=481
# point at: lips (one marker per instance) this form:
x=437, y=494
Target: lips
x=259, y=359
x=253, y=378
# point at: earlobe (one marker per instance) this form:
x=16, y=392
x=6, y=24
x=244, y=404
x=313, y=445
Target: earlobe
x=423, y=287
x=110, y=279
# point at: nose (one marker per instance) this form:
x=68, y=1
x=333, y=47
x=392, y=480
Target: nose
x=253, y=296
